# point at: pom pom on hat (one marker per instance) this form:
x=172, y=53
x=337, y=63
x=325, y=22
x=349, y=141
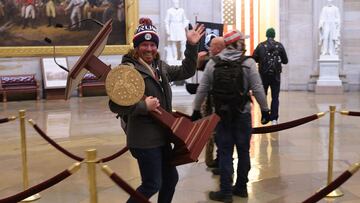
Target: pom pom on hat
x=233, y=36
x=146, y=31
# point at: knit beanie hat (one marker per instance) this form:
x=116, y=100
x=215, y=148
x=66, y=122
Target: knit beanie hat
x=146, y=31
x=270, y=33
x=233, y=36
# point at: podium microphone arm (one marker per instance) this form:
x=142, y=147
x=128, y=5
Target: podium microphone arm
x=60, y=66
x=49, y=41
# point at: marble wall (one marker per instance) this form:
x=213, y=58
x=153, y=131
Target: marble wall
x=300, y=35
x=298, y=32
x=351, y=43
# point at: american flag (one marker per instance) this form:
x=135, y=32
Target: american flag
x=252, y=17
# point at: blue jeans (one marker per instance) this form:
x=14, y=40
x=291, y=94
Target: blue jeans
x=238, y=133
x=274, y=83
x=157, y=174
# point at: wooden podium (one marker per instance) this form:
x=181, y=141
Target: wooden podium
x=51, y=94
x=188, y=137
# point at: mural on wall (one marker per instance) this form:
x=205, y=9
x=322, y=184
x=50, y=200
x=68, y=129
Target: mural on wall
x=28, y=22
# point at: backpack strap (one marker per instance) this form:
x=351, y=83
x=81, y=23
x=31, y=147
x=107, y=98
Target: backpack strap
x=242, y=59
x=216, y=59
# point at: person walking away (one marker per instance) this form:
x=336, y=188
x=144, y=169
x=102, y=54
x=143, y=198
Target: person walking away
x=270, y=55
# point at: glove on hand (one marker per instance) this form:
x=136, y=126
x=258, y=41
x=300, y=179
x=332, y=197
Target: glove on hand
x=265, y=117
x=196, y=115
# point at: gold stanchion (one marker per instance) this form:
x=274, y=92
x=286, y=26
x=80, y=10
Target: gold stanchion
x=91, y=163
x=336, y=192
x=24, y=157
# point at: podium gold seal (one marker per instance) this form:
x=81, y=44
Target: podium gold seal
x=124, y=85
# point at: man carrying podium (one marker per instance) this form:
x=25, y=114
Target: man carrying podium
x=148, y=141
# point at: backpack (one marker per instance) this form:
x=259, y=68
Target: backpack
x=228, y=91
x=272, y=60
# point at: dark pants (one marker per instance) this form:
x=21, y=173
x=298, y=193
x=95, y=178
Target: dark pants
x=157, y=175
x=238, y=133
x=273, y=82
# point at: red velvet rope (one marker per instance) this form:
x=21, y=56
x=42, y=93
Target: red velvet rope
x=37, y=188
x=4, y=120
x=329, y=188
x=133, y=193
x=54, y=144
x=117, y=154
x=69, y=154
x=354, y=113
x=284, y=126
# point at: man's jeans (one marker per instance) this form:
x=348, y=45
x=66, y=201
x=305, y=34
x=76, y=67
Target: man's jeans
x=238, y=133
x=156, y=173
x=273, y=82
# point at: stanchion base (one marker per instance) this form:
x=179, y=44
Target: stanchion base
x=32, y=198
x=335, y=193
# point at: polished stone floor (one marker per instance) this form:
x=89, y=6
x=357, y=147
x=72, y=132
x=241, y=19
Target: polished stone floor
x=287, y=166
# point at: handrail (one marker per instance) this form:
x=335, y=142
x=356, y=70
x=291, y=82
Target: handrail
x=5, y=120
x=334, y=184
x=287, y=125
x=121, y=183
x=53, y=143
x=350, y=113
x=42, y=186
x=69, y=154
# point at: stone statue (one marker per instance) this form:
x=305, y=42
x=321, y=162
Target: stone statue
x=175, y=24
x=329, y=27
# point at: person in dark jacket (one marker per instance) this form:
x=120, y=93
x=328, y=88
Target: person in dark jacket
x=148, y=141
x=270, y=54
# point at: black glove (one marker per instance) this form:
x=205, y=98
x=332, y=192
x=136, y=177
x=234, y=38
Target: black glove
x=265, y=117
x=196, y=115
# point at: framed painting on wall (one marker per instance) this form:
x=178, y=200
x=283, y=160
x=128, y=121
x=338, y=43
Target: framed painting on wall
x=70, y=26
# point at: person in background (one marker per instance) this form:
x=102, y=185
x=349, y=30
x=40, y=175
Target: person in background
x=28, y=13
x=75, y=15
x=147, y=140
x=270, y=54
x=204, y=56
x=50, y=12
x=235, y=130
x=214, y=45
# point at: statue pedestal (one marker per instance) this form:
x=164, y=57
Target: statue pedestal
x=329, y=81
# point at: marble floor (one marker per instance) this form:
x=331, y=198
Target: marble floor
x=287, y=166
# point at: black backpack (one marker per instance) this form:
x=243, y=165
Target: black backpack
x=228, y=91
x=272, y=60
